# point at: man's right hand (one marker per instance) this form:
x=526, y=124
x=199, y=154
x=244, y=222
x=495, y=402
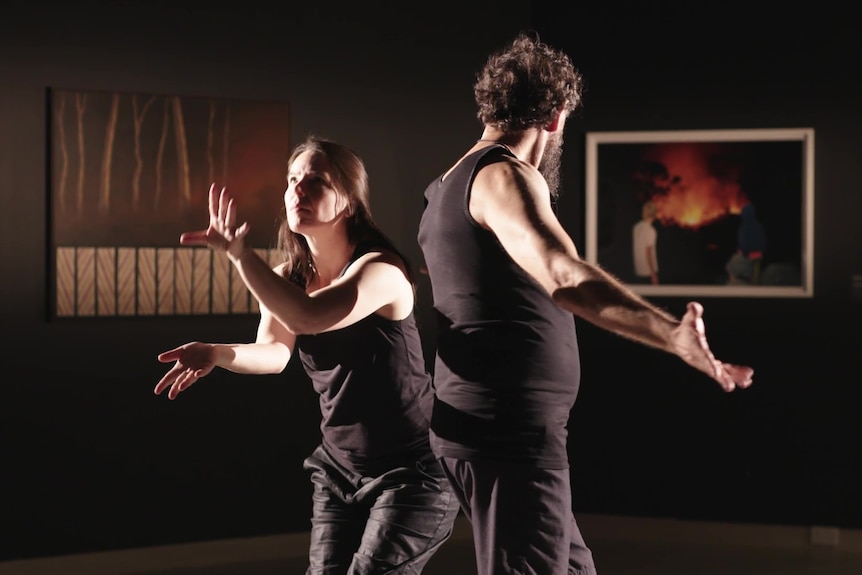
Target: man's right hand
x=689, y=342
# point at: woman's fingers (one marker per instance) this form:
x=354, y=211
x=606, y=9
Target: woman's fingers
x=242, y=230
x=223, y=205
x=230, y=214
x=213, y=202
x=197, y=238
x=182, y=382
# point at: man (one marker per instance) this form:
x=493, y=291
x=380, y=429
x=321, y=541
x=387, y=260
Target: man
x=506, y=280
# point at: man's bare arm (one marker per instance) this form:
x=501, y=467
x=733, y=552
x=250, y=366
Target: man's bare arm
x=512, y=200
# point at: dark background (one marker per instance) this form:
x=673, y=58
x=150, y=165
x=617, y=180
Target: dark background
x=91, y=460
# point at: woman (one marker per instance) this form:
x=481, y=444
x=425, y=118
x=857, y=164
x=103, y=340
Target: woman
x=344, y=300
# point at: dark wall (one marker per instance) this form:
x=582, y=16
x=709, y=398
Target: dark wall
x=92, y=460
x=648, y=436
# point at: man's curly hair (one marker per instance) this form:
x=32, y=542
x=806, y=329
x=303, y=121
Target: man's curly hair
x=523, y=85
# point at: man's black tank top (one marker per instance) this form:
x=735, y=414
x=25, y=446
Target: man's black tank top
x=375, y=392
x=507, y=368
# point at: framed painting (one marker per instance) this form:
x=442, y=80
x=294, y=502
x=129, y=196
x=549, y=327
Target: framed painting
x=129, y=172
x=727, y=213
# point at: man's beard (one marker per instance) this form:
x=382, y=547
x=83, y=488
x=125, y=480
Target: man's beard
x=549, y=166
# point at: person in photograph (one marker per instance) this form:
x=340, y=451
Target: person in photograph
x=644, y=240
x=745, y=264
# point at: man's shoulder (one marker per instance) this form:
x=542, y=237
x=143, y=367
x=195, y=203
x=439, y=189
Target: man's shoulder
x=508, y=173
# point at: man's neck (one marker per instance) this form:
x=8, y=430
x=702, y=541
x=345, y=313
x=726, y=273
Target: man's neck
x=527, y=145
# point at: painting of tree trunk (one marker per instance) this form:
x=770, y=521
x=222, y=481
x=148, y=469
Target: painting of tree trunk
x=130, y=172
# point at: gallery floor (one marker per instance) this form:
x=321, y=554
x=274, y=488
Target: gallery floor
x=621, y=546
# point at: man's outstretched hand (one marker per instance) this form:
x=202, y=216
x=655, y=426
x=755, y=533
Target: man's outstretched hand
x=689, y=340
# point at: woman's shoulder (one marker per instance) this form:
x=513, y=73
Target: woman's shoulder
x=378, y=250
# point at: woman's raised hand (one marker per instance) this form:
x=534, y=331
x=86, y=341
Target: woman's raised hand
x=223, y=233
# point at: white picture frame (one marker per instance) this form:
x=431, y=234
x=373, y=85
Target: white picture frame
x=699, y=182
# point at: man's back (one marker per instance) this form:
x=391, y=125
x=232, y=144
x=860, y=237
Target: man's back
x=507, y=365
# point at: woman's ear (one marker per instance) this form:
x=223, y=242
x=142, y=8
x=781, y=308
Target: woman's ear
x=348, y=205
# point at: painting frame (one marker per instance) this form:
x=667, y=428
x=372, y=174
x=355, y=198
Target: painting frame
x=701, y=187
x=128, y=172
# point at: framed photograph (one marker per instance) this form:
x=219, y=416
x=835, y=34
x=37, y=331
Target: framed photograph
x=129, y=172
x=727, y=213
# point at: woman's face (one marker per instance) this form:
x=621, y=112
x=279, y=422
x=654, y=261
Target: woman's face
x=311, y=199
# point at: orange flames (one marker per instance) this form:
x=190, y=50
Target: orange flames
x=698, y=187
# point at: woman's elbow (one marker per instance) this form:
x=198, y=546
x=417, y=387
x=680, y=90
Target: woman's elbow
x=277, y=359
